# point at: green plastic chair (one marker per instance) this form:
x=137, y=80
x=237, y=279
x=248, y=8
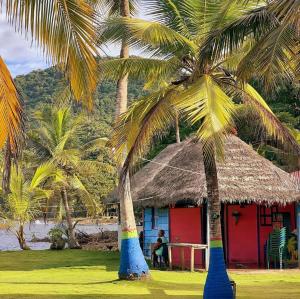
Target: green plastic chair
x=276, y=247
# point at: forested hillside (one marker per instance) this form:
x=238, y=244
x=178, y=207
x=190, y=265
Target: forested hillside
x=45, y=86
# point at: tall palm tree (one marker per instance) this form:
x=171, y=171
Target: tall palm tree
x=23, y=202
x=132, y=261
x=65, y=31
x=206, y=95
x=56, y=140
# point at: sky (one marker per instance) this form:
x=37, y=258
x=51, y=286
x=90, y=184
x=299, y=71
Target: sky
x=17, y=52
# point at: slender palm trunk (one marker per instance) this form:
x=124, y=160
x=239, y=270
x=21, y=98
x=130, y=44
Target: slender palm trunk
x=21, y=238
x=132, y=263
x=73, y=243
x=6, y=168
x=122, y=85
x=217, y=283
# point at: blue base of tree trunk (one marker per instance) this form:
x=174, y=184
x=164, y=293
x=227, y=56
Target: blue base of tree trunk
x=217, y=285
x=132, y=264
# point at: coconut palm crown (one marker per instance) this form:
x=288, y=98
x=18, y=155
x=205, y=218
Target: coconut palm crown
x=205, y=92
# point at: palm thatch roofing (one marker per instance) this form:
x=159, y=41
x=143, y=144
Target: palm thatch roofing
x=176, y=175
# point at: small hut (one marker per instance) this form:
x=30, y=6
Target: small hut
x=256, y=197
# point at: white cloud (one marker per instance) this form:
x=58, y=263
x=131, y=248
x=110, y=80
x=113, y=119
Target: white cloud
x=18, y=53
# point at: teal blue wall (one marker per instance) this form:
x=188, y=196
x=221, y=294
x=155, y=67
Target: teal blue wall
x=150, y=233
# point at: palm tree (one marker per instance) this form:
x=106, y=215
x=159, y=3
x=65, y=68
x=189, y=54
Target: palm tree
x=65, y=31
x=206, y=95
x=132, y=261
x=56, y=140
x=23, y=202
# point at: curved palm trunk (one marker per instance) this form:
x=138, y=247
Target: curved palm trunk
x=21, y=238
x=73, y=243
x=217, y=283
x=132, y=262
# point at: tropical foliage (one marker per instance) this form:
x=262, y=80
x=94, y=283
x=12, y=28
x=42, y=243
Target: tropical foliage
x=55, y=140
x=26, y=198
x=65, y=31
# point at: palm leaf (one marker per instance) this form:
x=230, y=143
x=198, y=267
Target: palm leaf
x=206, y=104
x=65, y=30
x=150, y=36
x=271, y=57
x=273, y=126
x=11, y=112
x=224, y=41
x=140, y=68
x=144, y=119
x=42, y=173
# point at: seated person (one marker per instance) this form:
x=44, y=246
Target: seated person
x=165, y=254
x=157, y=251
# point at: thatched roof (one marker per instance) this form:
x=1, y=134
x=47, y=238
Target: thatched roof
x=177, y=174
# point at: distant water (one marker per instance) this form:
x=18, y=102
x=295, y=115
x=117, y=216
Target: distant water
x=8, y=241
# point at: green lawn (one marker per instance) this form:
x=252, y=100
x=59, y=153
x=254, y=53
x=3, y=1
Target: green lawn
x=88, y=274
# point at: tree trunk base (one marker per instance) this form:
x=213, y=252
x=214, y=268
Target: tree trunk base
x=217, y=283
x=132, y=265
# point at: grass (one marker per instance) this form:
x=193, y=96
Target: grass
x=88, y=274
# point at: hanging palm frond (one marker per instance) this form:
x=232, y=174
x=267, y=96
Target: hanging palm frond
x=11, y=111
x=65, y=30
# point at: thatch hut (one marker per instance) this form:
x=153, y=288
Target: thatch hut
x=256, y=195
x=177, y=174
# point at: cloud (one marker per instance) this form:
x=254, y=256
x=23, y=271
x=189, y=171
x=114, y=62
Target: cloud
x=18, y=53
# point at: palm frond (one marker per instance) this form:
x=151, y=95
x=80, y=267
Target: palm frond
x=85, y=197
x=11, y=111
x=224, y=41
x=150, y=36
x=270, y=58
x=65, y=30
x=273, y=126
x=42, y=173
x=144, y=119
x=206, y=104
x=140, y=68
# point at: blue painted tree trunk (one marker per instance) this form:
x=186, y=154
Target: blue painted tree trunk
x=217, y=285
x=132, y=262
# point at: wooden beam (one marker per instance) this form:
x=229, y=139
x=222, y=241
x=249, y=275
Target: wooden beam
x=192, y=259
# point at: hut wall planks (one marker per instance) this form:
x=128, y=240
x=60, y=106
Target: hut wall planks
x=154, y=220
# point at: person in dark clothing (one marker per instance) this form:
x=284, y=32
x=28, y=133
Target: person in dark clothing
x=157, y=252
x=141, y=240
x=165, y=254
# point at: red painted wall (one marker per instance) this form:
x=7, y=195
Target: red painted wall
x=242, y=238
x=185, y=227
